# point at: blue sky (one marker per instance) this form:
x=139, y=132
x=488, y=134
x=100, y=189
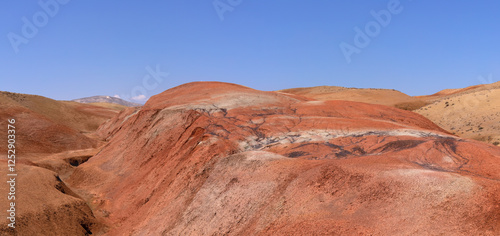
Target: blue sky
x=86, y=48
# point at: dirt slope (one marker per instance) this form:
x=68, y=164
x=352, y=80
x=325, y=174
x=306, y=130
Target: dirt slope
x=473, y=112
x=447, y=93
x=45, y=205
x=48, y=126
x=113, y=106
x=216, y=158
x=388, y=97
x=49, y=137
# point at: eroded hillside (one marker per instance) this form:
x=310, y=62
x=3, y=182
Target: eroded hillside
x=51, y=139
x=216, y=158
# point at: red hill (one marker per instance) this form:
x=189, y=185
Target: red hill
x=215, y=158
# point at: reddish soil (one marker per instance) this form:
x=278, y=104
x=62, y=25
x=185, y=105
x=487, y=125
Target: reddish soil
x=214, y=158
x=52, y=139
x=388, y=97
x=45, y=205
x=48, y=126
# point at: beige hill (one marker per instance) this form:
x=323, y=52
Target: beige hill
x=472, y=112
x=388, y=97
x=447, y=93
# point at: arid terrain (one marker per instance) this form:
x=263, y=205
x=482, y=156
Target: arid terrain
x=210, y=158
x=49, y=126
x=472, y=112
x=52, y=138
x=388, y=97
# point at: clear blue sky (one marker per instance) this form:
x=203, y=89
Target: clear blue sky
x=104, y=47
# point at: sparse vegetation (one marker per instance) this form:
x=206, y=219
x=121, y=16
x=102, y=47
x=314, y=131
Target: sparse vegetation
x=411, y=106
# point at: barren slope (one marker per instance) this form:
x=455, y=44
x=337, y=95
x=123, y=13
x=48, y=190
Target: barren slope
x=388, y=97
x=472, y=112
x=48, y=126
x=113, y=106
x=49, y=137
x=447, y=93
x=216, y=158
x=45, y=205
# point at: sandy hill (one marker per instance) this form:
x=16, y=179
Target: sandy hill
x=106, y=99
x=212, y=158
x=447, y=93
x=472, y=112
x=388, y=97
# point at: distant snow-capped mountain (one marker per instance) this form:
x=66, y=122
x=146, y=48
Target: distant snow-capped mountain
x=107, y=99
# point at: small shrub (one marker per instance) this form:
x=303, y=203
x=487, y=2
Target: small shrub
x=411, y=106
